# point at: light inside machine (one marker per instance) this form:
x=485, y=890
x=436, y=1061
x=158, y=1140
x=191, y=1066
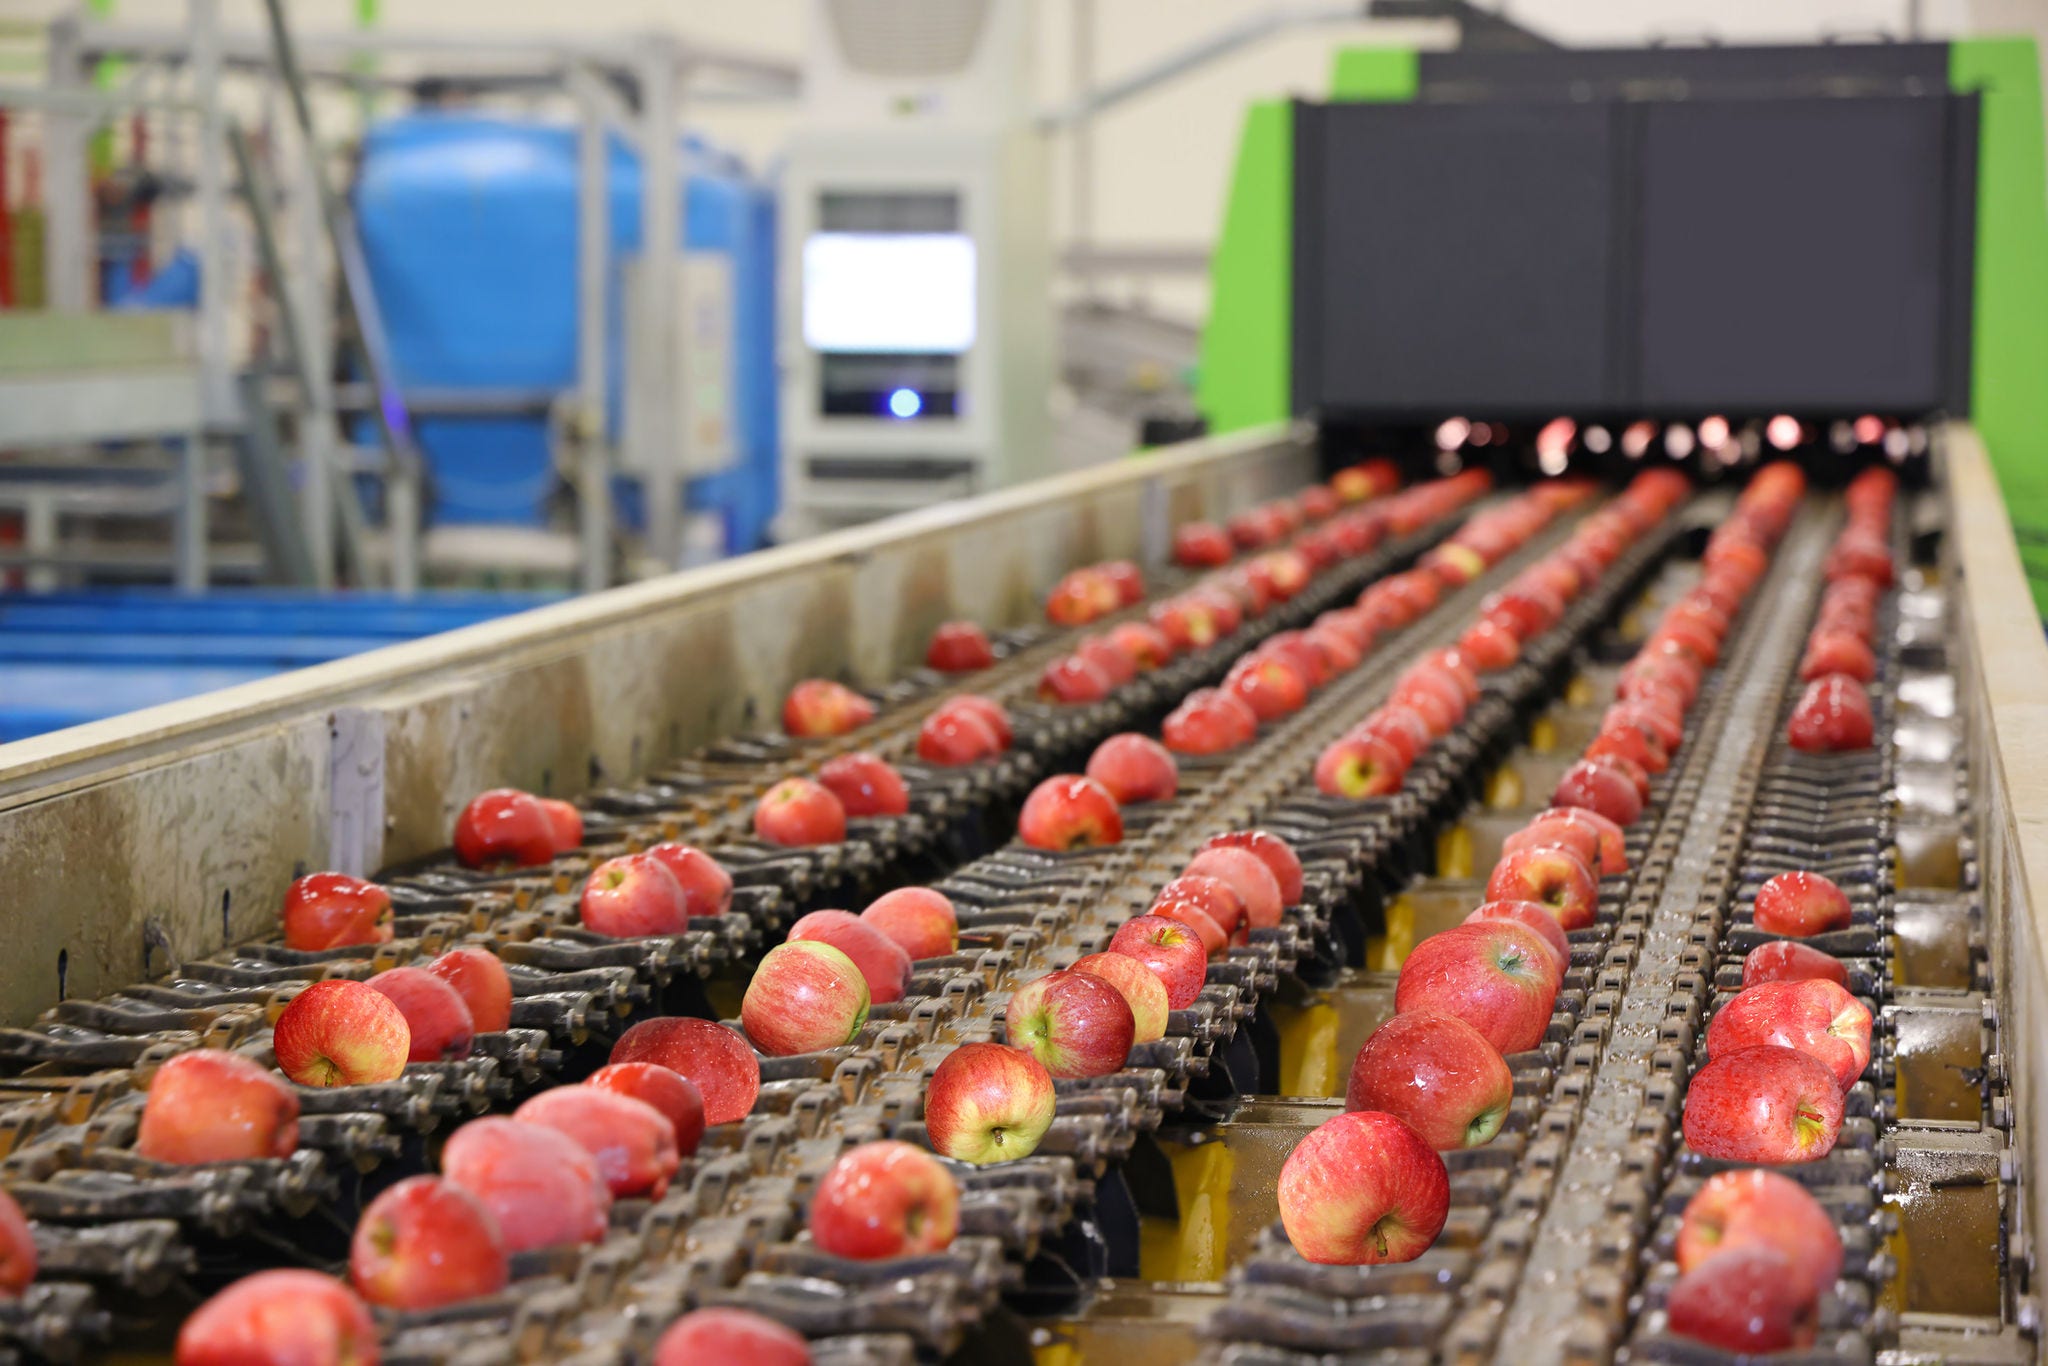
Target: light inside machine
x=889, y=292
x=905, y=403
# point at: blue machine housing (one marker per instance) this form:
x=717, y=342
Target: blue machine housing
x=469, y=224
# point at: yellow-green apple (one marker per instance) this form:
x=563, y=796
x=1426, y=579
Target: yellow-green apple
x=1817, y=1017
x=1359, y=766
x=1757, y=1208
x=1209, y=721
x=715, y=1059
x=720, y=1334
x=1781, y=960
x=666, y=1089
x=798, y=812
x=425, y=1243
x=865, y=784
x=333, y=911
x=885, y=1199
x=1600, y=788
x=482, y=983
x=541, y=1186
x=437, y=1019
x=1070, y=811
x=820, y=706
x=301, y=1317
x=1533, y=916
x=1276, y=853
x=1801, y=904
x=1171, y=950
x=632, y=896
x=959, y=647
x=1494, y=975
x=211, y=1105
x=1075, y=1023
x=988, y=1103
x=918, y=920
x=707, y=887
x=632, y=1143
x=1246, y=874
x=504, y=825
x=1141, y=988
x=1436, y=1074
x=1749, y=1302
x=339, y=1032
x=1551, y=876
x=1363, y=1188
x=805, y=997
x=881, y=961
x=1769, y=1104
x=1135, y=768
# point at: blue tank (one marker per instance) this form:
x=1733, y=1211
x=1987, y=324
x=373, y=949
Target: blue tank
x=469, y=225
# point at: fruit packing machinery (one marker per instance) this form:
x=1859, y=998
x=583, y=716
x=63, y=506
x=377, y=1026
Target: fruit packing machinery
x=1119, y=1235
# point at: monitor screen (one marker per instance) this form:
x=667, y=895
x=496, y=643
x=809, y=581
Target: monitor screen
x=889, y=292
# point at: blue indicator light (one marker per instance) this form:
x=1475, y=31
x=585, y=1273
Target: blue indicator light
x=905, y=403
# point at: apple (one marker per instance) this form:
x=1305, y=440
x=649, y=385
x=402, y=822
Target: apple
x=1801, y=904
x=1135, y=768
x=1191, y=913
x=714, y=1059
x=632, y=1143
x=1436, y=1074
x=1359, y=766
x=1209, y=721
x=959, y=647
x=1613, y=842
x=1781, y=960
x=436, y=1016
x=1439, y=714
x=210, y=1105
x=299, y=1317
x=1651, y=672
x=17, y=1248
x=1143, y=644
x=1490, y=646
x=865, y=784
x=1575, y=837
x=1353, y=484
x=1816, y=1016
x=1216, y=899
x=1533, y=916
x=1603, y=790
x=1071, y=680
x=1449, y=664
x=1494, y=975
x=1400, y=726
x=990, y=711
x=1862, y=556
x=541, y=1185
x=1346, y=622
x=797, y=812
x=885, y=1199
x=504, y=825
x=1276, y=853
x=1524, y=612
x=1248, y=876
x=481, y=981
x=804, y=998
x=1142, y=991
x=1074, y=1022
x=1188, y=622
x=1271, y=686
x=1069, y=811
x=988, y=1103
x=671, y=1093
x=1769, y=1104
x=1201, y=545
x=952, y=736
x=1631, y=743
x=339, y=1032
x=333, y=911
x=707, y=887
x=918, y=920
x=1756, y=1208
x=707, y=1335
x=1748, y=1301
x=1309, y=659
x=1457, y=565
x=1337, y=645
x=1171, y=950
x=820, y=706
x=1363, y=1188
x=1692, y=637
x=425, y=1243
x=632, y=896
x=1106, y=655
x=1664, y=727
x=1081, y=597
x=1551, y=876
x=881, y=962
x=1638, y=777
x=1832, y=714
x=565, y=820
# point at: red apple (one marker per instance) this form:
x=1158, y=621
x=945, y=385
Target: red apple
x=865, y=784
x=1070, y=812
x=1770, y=1104
x=1201, y=545
x=882, y=963
x=1190, y=913
x=1494, y=975
x=885, y=1199
x=804, y=998
x=1630, y=743
x=1248, y=876
x=481, y=981
x=730, y=1335
x=959, y=647
x=711, y=1057
x=797, y=812
x=333, y=911
x=633, y=896
x=1576, y=837
x=504, y=825
x=423, y=1244
x=1278, y=856
x=1755, y=1208
x=988, y=1103
x=1359, y=766
x=1297, y=648
x=1439, y=715
x=1074, y=1022
x=1105, y=654
x=297, y=1317
x=1490, y=646
x=1209, y=721
x=1143, y=644
x=1817, y=1017
x=1400, y=726
x=1554, y=878
x=1337, y=645
x=1071, y=680
x=1271, y=686
x=1141, y=988
x=1363, y=1188
x=1171, y=950
x=671, y=1093
x=17, y=1248
x=1781, y=960
x=1857, y=555
x=1613, y=843
x=1436, y=1074
x=952, y=736
x=707, y=887
x=632, y=1143
x=1748, y=1301
x=918, y=920
x=1801, y=904
x=540, y=1185
x=988, y=709
x=1664, y=727
x=1532, y=916
x=565, y=820
x=1135, y=768
x=1216, y=899
x=820, y=706
x=341, y=1033
x=1832, y=714
x=1603, y=790
x=211, y=1105
x=1457, y=565
x=1082, y=596
x=436, y=1016
x=1187, y=621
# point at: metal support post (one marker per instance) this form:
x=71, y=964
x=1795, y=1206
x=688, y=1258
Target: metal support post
x=39, y=538
x=1081, y=145
x=190, y=533
x=308, y=291
x=67, y=188
x=216, y=384
x=593, y=262
x=656, y=332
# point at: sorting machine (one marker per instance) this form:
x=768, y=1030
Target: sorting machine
x=145, y=857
